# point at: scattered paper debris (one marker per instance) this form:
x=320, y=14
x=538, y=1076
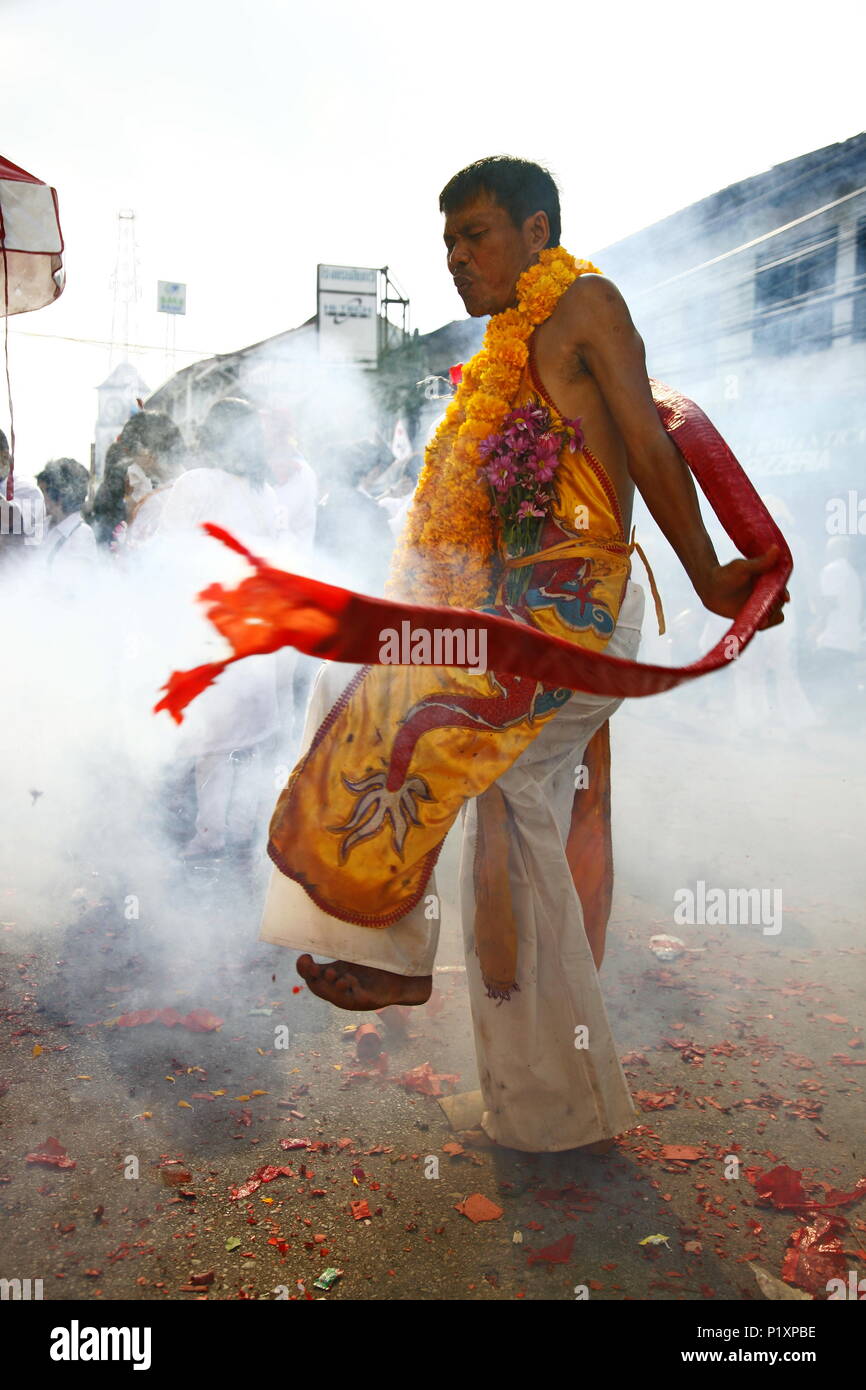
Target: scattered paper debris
x=557, y=1254
x=425, y=1081
x=52, y=1155
x=479, y=1208
x=197, y=1021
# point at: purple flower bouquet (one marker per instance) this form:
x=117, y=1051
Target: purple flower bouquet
x=521, y=461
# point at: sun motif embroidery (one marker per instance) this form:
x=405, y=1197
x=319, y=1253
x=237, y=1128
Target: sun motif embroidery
x=375, y=805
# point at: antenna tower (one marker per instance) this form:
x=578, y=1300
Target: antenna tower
x=125, y=287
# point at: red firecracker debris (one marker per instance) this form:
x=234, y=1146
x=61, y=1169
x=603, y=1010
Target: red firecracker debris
x=686, y=1153
x=368, y=1043
x=479, y=1208
x=783, y=1187
x=425, y=1081
x=52, y=1155
x=360, y=1209
x=197, y=1021
x=557, y=1254
x=657, y=1100
x=395, y=1018
x=267, y=1173
x=815, y=1254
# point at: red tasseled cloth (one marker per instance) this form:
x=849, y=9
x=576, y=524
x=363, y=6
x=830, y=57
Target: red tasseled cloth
x=273, y=609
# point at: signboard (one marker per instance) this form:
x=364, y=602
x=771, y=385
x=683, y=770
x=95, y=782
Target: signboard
x=170, y=297
x=347, y=299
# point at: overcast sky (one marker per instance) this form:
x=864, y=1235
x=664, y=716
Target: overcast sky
x=254, y=140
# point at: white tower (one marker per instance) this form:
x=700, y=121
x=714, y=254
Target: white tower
x=118, y=400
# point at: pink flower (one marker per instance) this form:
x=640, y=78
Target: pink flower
x=573, y=435
x=526, y=509
x=500, y=474
x=545, y=471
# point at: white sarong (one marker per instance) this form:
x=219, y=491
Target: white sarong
x=543, y=1090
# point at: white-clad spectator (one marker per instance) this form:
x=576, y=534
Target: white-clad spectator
x=63, y=484
x=295, y=487
x=229, y=727
x=839, y=584
x=27, y=515
x=840, y=638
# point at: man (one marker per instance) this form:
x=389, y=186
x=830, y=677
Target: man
x=840, y=639
x=542, y=1089
x=240, y=715
x=295, y=487
x=63, y=484
x=126, y=508
x=353, y=544
x=26, y=518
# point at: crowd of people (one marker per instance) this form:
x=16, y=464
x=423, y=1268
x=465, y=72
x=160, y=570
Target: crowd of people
x=244, y=471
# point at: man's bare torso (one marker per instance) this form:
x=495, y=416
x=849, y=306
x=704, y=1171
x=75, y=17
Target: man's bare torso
x=575, y=393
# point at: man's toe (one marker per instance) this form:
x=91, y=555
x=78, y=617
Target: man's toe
x=307, y=967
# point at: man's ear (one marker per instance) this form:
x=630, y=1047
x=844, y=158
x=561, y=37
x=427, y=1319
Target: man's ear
x=537, y=230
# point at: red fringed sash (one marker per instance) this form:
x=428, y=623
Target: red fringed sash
x=273, y=609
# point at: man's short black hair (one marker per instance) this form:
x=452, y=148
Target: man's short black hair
x=153, y=431
x=65, y=481
x=517, y=185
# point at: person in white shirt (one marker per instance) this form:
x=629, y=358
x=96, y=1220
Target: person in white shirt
x=26, y=519
x=295, y=486
x=296, y=489
x=840, y=639
x=839, y=582
x=70, y=541
x=238, y=716
x=125, y=512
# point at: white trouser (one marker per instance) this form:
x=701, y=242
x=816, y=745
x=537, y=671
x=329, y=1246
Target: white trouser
x=542, y=1092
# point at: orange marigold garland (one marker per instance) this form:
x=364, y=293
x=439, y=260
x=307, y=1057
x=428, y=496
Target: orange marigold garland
x=447, y=551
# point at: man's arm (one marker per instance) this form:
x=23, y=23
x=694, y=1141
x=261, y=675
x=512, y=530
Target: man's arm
x=613, y=352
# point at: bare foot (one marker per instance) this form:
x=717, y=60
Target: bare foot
x=362, y=987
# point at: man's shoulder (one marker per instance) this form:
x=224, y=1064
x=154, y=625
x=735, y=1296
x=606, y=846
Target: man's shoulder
x=593, y=293
x=591, y=309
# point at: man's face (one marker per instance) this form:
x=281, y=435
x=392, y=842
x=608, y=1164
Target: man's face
x=487, y=254
x=52, y=510
x=5, y=462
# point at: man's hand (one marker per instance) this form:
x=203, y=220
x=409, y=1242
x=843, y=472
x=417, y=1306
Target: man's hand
x=727, y=587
